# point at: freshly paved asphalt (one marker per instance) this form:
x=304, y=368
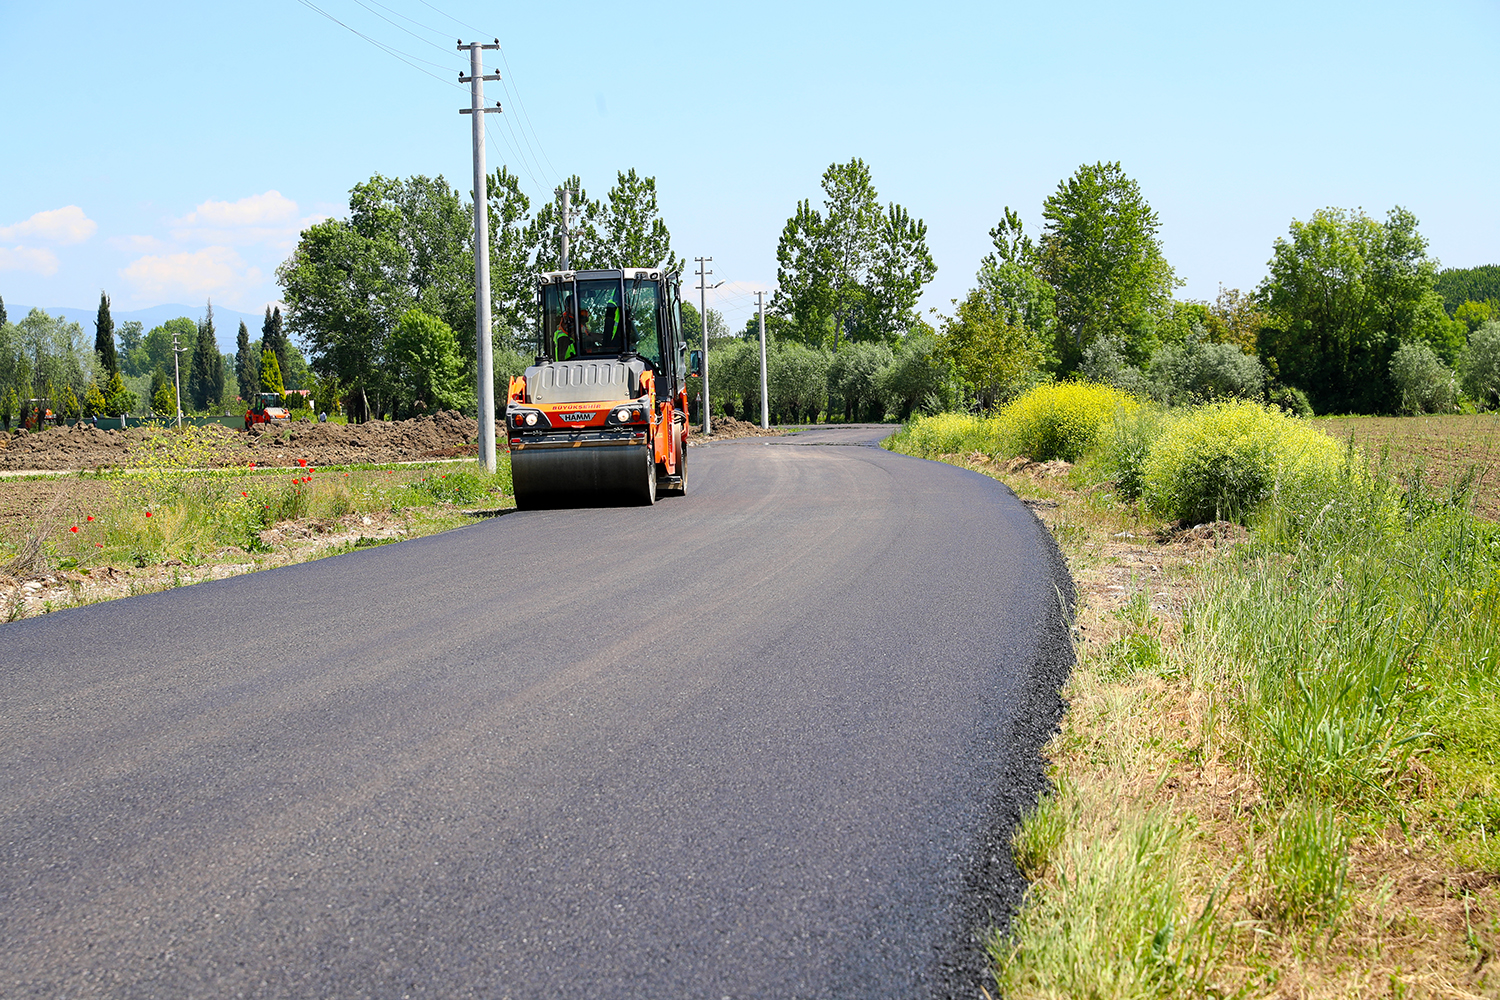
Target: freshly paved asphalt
x=765, y=740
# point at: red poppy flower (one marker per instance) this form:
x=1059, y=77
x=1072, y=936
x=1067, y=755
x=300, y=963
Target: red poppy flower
x=148, y=513
x=74, y=529
x=91, y=517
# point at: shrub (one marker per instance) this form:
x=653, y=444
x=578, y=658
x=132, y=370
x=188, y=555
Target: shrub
x=1423, y=383
x=1482, y=373
x=1223, y=460
x=798, y=377
x=1061, y=420
x=947, y=434
x=854, y=375
x=1124, y=442
x=1201, y=372
x=1291, y=400
x=920, y=378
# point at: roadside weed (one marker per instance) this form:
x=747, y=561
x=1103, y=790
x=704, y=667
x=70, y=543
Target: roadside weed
x=1307, y=865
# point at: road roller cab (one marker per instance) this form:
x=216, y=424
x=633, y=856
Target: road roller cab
x=604, y=409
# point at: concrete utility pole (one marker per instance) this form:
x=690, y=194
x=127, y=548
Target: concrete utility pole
x=567, y=220
x=703, y=287
x=176, y=376
x=483, y=344
x=765, y=398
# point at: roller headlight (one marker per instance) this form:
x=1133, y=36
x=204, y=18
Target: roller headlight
x=531, y=420
x=623, y=416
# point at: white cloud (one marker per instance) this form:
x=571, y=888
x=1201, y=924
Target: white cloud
x=268, y=219
x=256, y=210
x=136, y=244
x=43, y=262
x=213, y=272
x=62, y=226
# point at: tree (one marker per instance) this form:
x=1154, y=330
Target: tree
x=1482, y=368
x=163, y=394
x=429, y=369
x=131, y=355
x=1458, y=285
x=3, y=319
x=585, y=247
x=203, y=373
x=270, y=372
x=854, y=375
x=246, y=372
x=632, y=231
x=157, y=344
x=93, y=401
x=1423, y=383
x=512, y=292
x=118, y=400
x=344, y=295
x=1101, y=254
x=851, y=271
x=104, y=336
x=273, y=337
x=920, y=378
x=1344, y=291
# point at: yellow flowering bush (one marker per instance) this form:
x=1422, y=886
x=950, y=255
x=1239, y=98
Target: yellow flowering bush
x=1061, y=420
x=1223, y=460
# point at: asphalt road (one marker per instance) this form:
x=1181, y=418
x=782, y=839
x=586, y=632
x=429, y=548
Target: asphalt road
x=765, y=740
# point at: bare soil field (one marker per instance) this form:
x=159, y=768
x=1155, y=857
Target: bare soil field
x=1445, y=448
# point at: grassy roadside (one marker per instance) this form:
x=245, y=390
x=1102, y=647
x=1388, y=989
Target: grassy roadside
x=1280, y=770
x=174, y=519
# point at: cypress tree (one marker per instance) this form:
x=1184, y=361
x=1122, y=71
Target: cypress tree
x=2, y=310
x=201, y=373
x=218, y=386
x=270, y=372
x=246, y=373
x=104, y=336
x=273, y=339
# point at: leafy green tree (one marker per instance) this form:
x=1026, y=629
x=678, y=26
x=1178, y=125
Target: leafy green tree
x=68, y=406
x=3, y=319
x=1101, y=254
x=246, y=372
x=1423, y=382
x=270, y=372
x=343, y=299
x=1343, y=293
x=798, y=382
x=512, y=249
x=131, y=354
x=10, y=404
x=1482, y=366
x=204, y=372
x=920, y=378
x=157, y=344
x=1458, y=285
x=164, y=398
x=993, y=358
x=632, y=232
x=104, y=336
x=850, y=271
x=118, y=400
x=585, y=242
x=854, y=376
x=428, y=368
x=1473, y=315
x=93, y=401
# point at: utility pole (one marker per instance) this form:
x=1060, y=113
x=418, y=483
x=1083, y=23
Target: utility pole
x=765, y=398
x=483, y=344
x=177, y=376
x=567, y=219
x=703, y=287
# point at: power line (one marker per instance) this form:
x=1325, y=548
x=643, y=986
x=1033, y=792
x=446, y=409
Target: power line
x=405, y=57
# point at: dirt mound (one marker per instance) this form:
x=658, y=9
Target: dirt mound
x=440, y=435
x=728, y=427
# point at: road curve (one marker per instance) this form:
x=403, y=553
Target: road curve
x=764, y=740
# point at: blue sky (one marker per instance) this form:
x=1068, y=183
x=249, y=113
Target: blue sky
x=173, y=155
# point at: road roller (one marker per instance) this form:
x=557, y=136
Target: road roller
x=602, y=414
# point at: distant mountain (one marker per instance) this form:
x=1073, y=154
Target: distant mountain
x=226, y=321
